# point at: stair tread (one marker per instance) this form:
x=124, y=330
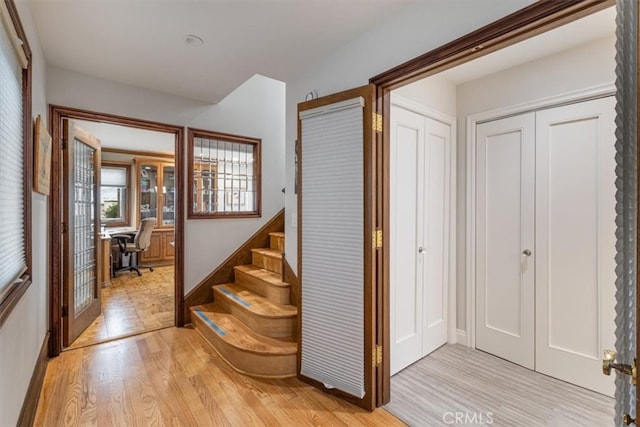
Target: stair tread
x=277, y=234
x=268, y=252
x=234, y=332
x=262, y=273
x=255, y=303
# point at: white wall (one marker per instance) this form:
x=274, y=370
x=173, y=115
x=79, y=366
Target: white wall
x=435, y=92
x=586, y=66
x=23, y=333
x=416, y=29
x=254, y=109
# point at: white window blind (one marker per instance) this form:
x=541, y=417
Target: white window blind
x=332, y=275
x=12, y=245
x=113, y=177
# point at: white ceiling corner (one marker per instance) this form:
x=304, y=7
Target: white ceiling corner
x=141, y=43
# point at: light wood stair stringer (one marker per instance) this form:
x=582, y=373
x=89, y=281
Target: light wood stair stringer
x=251, y=323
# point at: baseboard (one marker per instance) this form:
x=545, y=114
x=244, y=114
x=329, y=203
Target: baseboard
x=461, y=337
x=30, y=404
x=202, y=293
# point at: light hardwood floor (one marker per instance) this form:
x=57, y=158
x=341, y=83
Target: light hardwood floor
x=174, y=377
x=131, y=305
x=459, y=380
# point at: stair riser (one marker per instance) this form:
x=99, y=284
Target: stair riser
x=247, y=362
x=267, y=262
x=267, y=326
x=276, y=242
x=276, y=294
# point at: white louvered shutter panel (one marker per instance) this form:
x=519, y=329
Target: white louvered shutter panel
x=332, y=274
x=12, y=247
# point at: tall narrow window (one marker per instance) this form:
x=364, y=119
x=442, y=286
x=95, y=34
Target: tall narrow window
x=114, y=194
x=224, y=174
x=15, y=160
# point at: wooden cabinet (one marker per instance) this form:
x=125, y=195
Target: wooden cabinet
x=161, y=252
x=156, y=191
x=156, y=198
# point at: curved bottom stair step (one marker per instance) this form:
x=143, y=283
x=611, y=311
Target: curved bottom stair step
x=245, y=350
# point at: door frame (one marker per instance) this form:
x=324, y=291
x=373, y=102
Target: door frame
x=594, y=92
x=527, y=22
x=56, y=115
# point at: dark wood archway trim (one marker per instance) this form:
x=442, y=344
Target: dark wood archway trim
x=520, y=25
x=56, y=114
x=530, y=21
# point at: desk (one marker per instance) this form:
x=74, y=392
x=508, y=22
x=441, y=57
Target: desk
x=105, y=261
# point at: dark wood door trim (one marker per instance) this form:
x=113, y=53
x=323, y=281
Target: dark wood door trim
x=532, y=20
x=56, y=115
x=369, y=224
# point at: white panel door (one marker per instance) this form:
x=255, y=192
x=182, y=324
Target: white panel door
x=505, y=260
x=419, y=238
x=575, y=242
x=435, y=233
x=407, y=149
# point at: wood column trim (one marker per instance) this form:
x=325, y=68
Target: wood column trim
x=290, y=277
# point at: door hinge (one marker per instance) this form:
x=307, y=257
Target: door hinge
x=378, y=355
x=65, y=310
x=376, y=239
x=64, y=143
x=377, y=122
x=64, y=227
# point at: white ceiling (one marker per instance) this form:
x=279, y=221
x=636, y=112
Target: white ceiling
x=128, y=138
x=593, y=27
x=141, y=42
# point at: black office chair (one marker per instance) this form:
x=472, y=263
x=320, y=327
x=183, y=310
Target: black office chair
x=129, y=245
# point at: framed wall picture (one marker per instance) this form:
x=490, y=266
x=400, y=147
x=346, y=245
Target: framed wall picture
x=42, y=158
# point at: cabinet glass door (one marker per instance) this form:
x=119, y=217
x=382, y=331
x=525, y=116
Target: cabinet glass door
x=168, y=195
x=149, y=192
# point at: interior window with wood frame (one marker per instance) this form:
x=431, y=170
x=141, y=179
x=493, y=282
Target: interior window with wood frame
x=115, y=193
x=16, y=159
x=224, y=175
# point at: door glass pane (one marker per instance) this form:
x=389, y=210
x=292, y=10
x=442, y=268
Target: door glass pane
x=148, y=192
x=84, y=224
x=168, y=195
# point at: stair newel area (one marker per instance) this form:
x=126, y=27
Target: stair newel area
x=251, y=323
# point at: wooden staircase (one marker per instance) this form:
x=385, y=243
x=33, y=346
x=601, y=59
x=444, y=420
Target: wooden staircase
x=251, y=323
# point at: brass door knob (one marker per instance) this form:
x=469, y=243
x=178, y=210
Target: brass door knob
x=609, y=363
x=627, y=420
x=607, y=360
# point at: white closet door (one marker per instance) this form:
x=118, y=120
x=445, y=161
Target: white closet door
x=407, y=176
x=419, y=239
x=435, y=232
x=504, y=236
x=575, y=242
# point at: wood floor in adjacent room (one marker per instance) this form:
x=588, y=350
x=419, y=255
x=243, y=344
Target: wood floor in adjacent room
x=133, y=304
x=174, y=377
x=459, y=380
